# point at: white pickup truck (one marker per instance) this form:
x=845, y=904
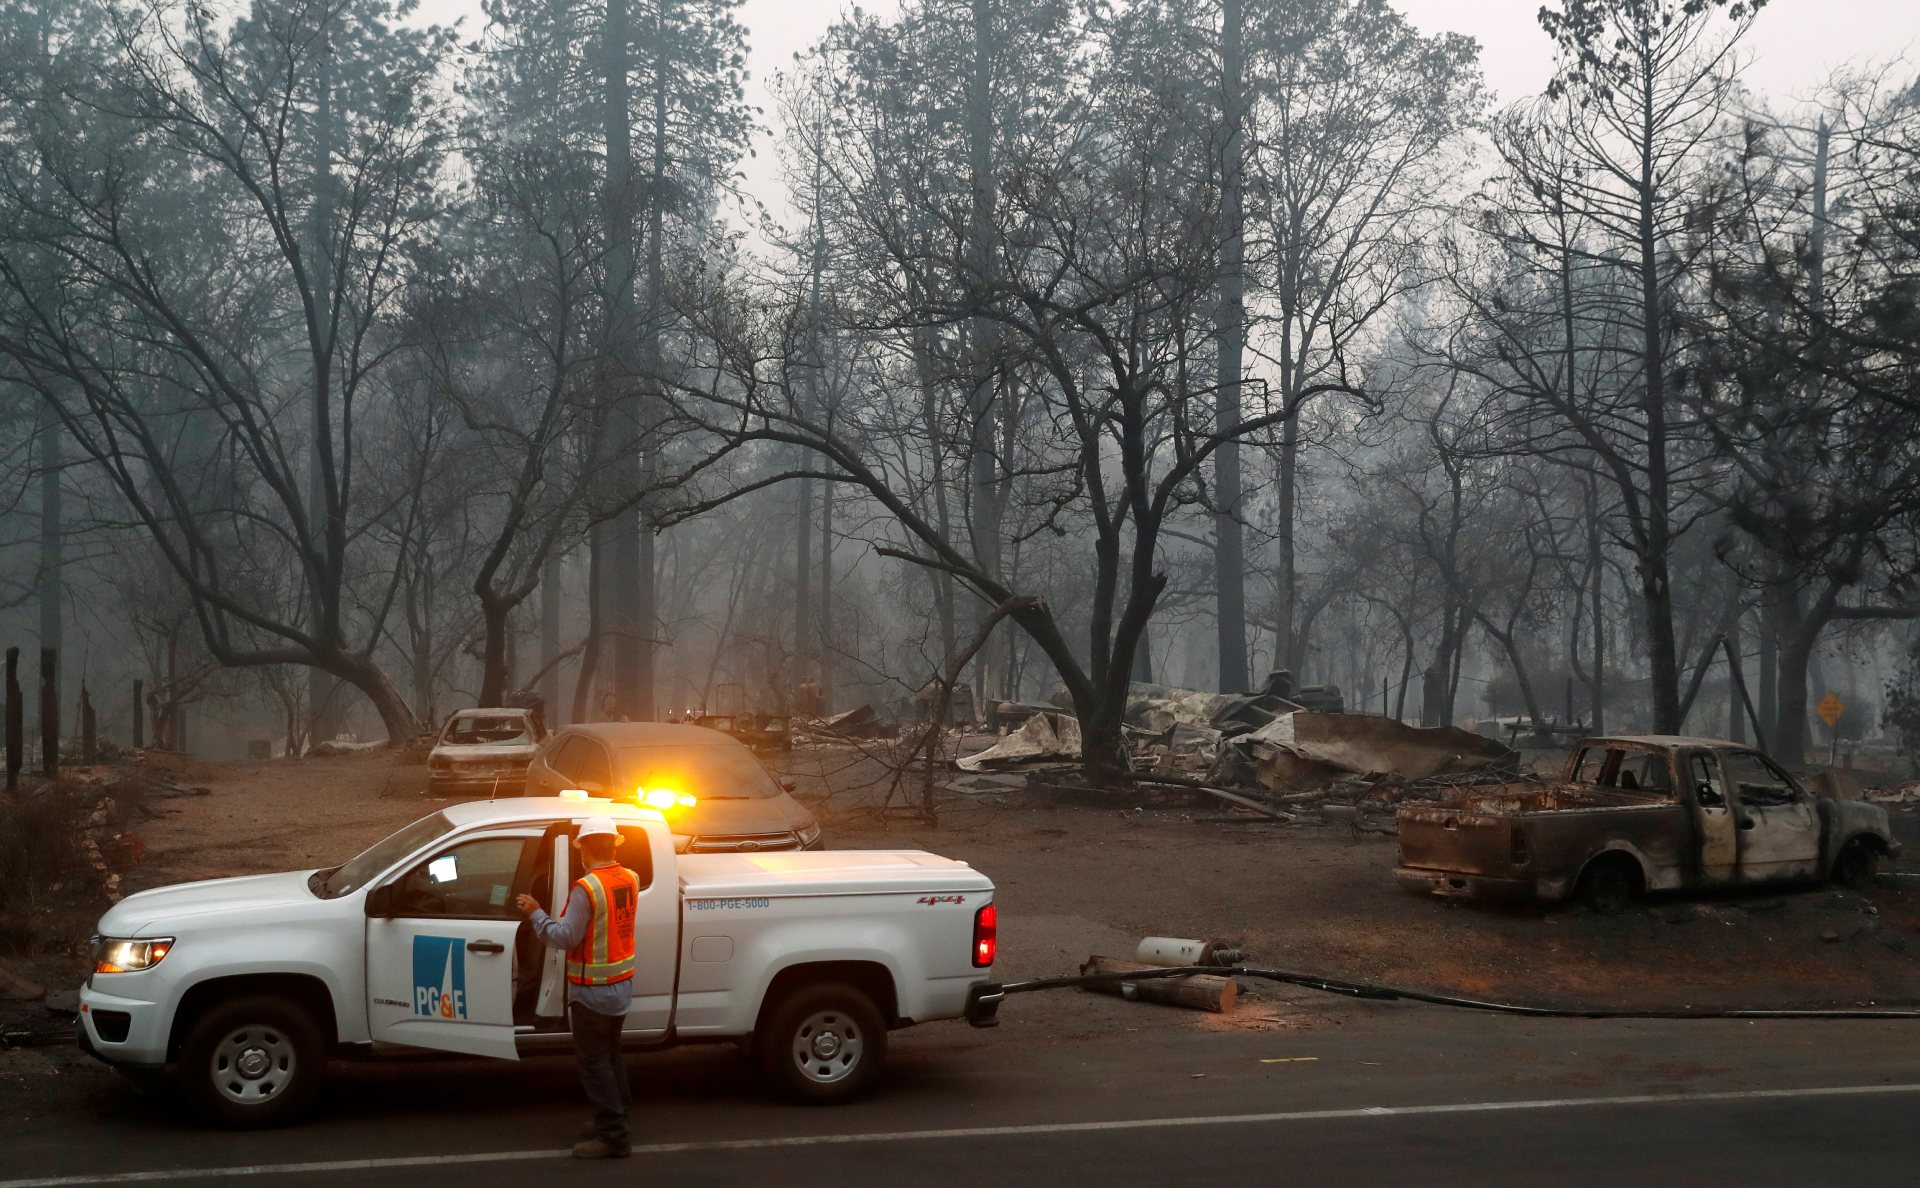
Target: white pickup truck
x=246, y=987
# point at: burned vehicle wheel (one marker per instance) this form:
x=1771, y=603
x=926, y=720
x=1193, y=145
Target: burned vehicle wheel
x=823, y=1044
x=252, y=1062
x=1857, y=862
x=1609, y=885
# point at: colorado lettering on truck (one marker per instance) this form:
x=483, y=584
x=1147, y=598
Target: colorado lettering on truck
x=242, y=989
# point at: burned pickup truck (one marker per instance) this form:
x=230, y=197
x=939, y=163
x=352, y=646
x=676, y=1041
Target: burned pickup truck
x=1634, y=814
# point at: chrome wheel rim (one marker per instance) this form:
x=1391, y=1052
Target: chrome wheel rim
x=828, y=1046
x=253, y=1065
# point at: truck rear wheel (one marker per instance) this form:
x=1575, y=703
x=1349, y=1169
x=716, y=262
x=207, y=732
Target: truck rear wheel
x=252, y=1062
x=1609, y=885
x=1857, y=862
x=823, y=1044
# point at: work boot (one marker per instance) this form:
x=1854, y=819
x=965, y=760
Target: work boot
x=599, y=1148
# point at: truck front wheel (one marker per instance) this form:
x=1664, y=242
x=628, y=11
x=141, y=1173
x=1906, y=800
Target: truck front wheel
x=252, y=1062
x=823, y=1044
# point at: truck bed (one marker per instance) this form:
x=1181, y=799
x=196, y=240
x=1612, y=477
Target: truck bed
x=1478, y=831
x=1548, y=798
x=786, y=873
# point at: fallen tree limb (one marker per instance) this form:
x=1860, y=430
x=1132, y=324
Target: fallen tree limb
x=1243, y=802
x=1201, y=992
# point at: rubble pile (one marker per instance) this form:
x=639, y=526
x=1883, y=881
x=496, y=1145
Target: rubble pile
x=1279, y=754
x=1049, y=737
x=1905, y=796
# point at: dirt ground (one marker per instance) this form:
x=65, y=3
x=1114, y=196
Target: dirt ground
x=1078, y=879
x=1074, y=879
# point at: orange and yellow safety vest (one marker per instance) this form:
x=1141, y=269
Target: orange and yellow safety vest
x=605, y=954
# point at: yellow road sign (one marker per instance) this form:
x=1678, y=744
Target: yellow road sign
x=1830, y=709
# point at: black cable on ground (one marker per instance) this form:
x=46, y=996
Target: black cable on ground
x=1365, y=990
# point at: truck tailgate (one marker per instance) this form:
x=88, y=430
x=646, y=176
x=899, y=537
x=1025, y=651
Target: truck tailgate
x=1447, y=838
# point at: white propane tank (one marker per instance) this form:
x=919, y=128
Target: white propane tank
x=1174, y=951
x=1169, y=951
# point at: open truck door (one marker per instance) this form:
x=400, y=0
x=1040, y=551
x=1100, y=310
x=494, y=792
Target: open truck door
x=440, y=948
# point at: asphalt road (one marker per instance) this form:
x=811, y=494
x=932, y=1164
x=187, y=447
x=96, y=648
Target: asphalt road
x=1376, y=1094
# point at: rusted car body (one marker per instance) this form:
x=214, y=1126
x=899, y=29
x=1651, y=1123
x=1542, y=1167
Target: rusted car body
x=483, y=752
x=1639, y=813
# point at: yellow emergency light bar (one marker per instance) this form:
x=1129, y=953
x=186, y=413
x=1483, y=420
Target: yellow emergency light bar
x=664, y=798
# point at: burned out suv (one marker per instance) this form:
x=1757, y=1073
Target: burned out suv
x=718, y=797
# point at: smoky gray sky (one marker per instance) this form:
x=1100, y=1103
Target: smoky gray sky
x=1793, y=45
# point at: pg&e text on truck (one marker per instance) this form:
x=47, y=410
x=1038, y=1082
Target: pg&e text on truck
x=1639, y=813
x=244, y=988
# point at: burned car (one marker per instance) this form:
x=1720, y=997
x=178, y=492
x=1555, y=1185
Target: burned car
x=1640, y=813
x=484, y=752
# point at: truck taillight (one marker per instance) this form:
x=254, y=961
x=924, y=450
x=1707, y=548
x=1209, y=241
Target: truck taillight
x=985, y=938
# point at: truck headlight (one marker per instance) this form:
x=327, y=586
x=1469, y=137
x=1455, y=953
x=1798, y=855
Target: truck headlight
x=112, y=955
x=810, y=835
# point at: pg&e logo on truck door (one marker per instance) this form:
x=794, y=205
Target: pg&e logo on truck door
x=440, y=977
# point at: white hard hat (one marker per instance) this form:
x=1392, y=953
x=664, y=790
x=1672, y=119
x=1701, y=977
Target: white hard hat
x=598, y=826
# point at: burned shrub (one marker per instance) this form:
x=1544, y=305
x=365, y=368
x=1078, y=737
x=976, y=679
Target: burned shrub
x=42, y=859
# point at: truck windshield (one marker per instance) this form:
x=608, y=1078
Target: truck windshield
x=711, y=773
x=344, y=880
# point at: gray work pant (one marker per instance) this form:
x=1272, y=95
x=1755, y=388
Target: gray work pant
x=603, y=1071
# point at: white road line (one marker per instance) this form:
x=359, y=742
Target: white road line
x=895, y=1136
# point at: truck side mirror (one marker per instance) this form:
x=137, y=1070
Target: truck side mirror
x=789, y=784
x=380, y=903
x=1709, y=798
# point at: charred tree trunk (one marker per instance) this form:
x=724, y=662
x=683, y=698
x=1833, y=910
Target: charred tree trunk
x=1286, y=645
x=51, y=561
x=983, y=496
x=1229, y=547
x=583, y=707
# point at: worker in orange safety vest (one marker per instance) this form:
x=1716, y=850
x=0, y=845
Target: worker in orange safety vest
x=597, y=931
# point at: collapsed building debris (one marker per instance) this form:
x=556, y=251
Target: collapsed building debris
x=1009, y=716
x=1906, y=794
x=1307, y=750
x=1043, y=736
x=860, y=722
x=1238, y=715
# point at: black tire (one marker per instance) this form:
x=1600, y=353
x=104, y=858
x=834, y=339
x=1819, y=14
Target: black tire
x=252, y=1062
x=823, y=1044
x=1609, y=885
x=1856, y=863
